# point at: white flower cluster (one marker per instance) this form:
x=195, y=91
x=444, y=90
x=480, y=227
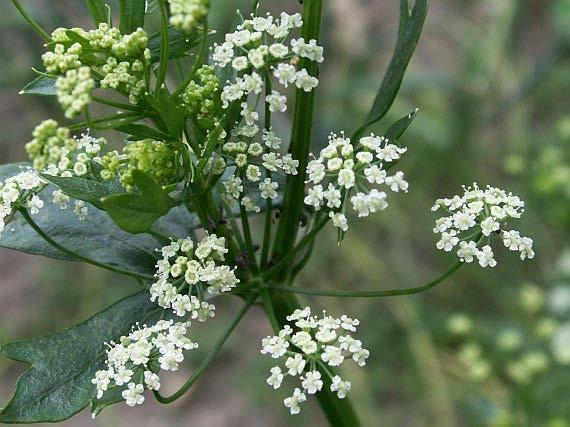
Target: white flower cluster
x=257, y=46
x=342, y=168
x=255, y=162
x=194, y=269
x=184, y=14
x=484, y=212
x=314, y=345
x=20, y=191
x=133, y=363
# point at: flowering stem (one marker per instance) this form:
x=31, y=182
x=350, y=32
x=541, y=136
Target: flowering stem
x=115, y=104
x=300, y=141
x=41, y=32
x=373, y=294
x=268, y=203
x=248, y=239
x=67, y=251
x=208, y=360
x=309, y=237
x=164, y=44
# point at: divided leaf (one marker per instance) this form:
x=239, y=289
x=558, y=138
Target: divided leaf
x=136, y=213
x=97, y=238
x=179, y=43
x=58, y=384
x=83, y=189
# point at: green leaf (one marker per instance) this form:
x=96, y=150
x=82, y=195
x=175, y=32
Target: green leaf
x=84, y=189
x=97, y=238
x=411, y=25
x=171, y=113
x=58, y=384
x=138, y=132
x=132, y=15
x=179, y=43
x=136, y=213
x=395, y=131
x=97, y=10
x=42, y=85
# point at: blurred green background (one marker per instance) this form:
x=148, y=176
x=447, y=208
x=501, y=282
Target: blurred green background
x=485, y=348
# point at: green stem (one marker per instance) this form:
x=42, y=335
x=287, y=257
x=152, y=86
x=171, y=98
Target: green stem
x=79, y=257
x=115, y=104
x=208, y=360
x=248, y=239
x=300, y=141
x=37, y=28
x=163, y=45
x=309, y=237
x=268, y=203
x=372, y=294
x=198, y=63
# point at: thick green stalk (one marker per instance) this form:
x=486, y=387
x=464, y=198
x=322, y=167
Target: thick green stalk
x=300, y=140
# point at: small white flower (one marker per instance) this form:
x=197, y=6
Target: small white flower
x=277, y=102
x=276, y=377
x=268, y=189
x=133, y=395
x=448, y=240
x=341, y=387
x=293, y=402
x=467, y=251
x=312, y=382
x=486, y=257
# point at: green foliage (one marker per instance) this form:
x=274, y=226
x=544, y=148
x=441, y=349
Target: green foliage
x=132, y=15
x=411, y=24
x=58, y=384
x=397, y=129
x=88, y=190
x=179, y=43
x=42, y=86
x=136, y=213
x=98, y=10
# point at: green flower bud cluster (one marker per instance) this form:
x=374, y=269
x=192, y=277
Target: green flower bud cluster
x=56, y=152
x=124, y=73
x=184, y=14
x=50, y=144
x=528, y=366
x=61, y=59
x=74, y=90
x=201, y=95
x=126, y=59
x=155, y=158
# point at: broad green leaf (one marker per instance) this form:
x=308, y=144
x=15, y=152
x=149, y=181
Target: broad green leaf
x=179, y=43
x=132, y=15
x=395, y=131
x=58, y=384
x=138, y=132
x=83, y=189
x=42, y=85
x=411, y=25
x=97, y=10
x=97, y=238
x=137, y=212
